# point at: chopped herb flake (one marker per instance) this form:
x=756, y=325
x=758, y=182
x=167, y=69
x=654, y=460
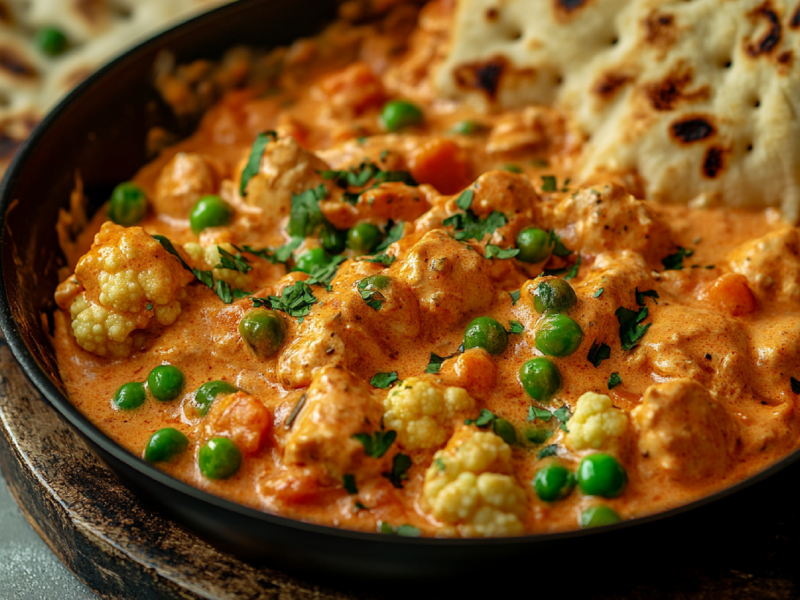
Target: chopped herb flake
x=674, y=262
x=324, y=274
x=550, y=450
x=538, y=435
x=559, y=249
x=598, y=293
x=493, y=251
x=439, y=463
x=305, y=216
x=598, y=353
x=484, y=419
x=538, y=413
x=234, y=262
x=378, y=443
x=395, y=233
x=563, y=414
x=464, y=201
x=254, y=162
x=573, y=272
x=549, y=183
x=436, y=361
x=515, y=327
x=383, y=380
x=614, y=380
x=468, y=226
x=295, y=300
x=382, y=259
x=630, y=328
x=514, y=297
x=349, y=483
x=640, y=296
x=370, y=294
x=400, y=465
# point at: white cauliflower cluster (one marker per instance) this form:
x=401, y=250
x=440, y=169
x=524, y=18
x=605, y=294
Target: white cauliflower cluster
x=422, y=412
x=125, y=281
x=471, y=486
x=596, y=423
x=207, y=258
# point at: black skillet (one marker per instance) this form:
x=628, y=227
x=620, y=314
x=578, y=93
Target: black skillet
x=99, y=130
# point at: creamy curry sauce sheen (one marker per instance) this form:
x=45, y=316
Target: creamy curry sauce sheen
x=728, y=319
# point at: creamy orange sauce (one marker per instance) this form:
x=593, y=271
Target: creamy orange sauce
x=717, y=321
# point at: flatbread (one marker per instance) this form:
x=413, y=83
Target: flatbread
x=685, y=101
x=31, y=82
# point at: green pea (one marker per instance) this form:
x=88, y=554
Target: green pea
x=210, y=211
x=375, y=282
x=554, y=295
x=263, y=330
x=363, y=238
x=558, y=335
x=165, y=444
x=128, y=204
x=486, y=333
x=333, y=240
x=505, y=430
x=316, y=257
x=129, y=396
x=601, y=475
x=553, y=482
x=534, y=245
x=397, y=114
x=219, y=458
x=540, y=378
x=165, y=382
x=207, y=393
x=51, y=41
x=598, y=516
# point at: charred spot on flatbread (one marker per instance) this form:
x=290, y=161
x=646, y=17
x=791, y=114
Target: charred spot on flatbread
x=567, y=8
x=794, y=22
x=770, y=39
x=482, y=76
x=610, y=83
x=659, y=29
x=666, y=94
x=714, y=162
x=689, y=130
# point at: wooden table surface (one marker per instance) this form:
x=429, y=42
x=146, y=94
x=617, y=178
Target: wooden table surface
x=746, y=546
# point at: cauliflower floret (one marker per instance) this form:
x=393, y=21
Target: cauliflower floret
x=125, y=281
x=207, y=258
x=422, y=412
x=596, y=423
x=471, y=485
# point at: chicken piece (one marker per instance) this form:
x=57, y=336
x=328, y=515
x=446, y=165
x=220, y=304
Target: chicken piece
x=771, y=264
x=470, y=485
x=242, y=418
x=449, y=279
x=352, y=91
x=285, y=169
x=182, y=181
x=775, y=348
x=604, y=218
x=338, y=405
x=533, y=128
x=126, y=281
x=683, y=431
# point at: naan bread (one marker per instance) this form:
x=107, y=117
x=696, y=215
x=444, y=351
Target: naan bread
x=684, y=100
x=31, y=82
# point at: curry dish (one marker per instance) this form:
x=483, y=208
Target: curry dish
x=347, y=301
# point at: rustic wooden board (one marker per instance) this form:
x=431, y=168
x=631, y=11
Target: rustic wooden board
x=747, y=547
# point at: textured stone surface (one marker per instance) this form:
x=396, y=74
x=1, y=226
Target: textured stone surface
x=747, y=546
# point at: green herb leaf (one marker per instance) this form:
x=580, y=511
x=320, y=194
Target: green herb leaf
x=516, y=327
x=573, y=272
x=400, y=465
x=358, y=506
x=370, y=295
x=559, y=249
x=493, y=251
x=598, y=353
x=710, y=266
x=378, y=443
x=537, y=435
x=386, y=529
x=514, y=297
x=394, y=234
x=640, y=296
x=511, y=168
x=598, y=293
x=349, y=483
x=305, y=217
x=464, y=201
x=549, y=183
x=324, y=274
x=439, y=463
x=283, y=253
x=674, y=262
x=538, y=413
x=253, y=163
x=406, y=530
x=295, y=300
x=467, y=128
x=614, y=380
x=550, y=450
x=468, y=226
x=630, y=330
x=383, y=380
x=563, y=414
x=234, y=263
x=484, y=419
x=383, y=259
x=436, y=361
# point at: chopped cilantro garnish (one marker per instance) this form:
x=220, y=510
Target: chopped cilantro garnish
x=598, y=293
x=484, y=419
x=550, y=450
x=493, y=251
x=324, y=274
x=254, y=162
x=439, y=463
x=295, y=300
x=566, y=184
x=464, y=201
x=392, y=235
x=614, y=380
x=404, y=530
x=370, y=295
x=400, y=465
x=468, y=226
x=384, y=154
x=229, y=261
x=378, y=443
x=383, y=380
x=349, y=483
x=549, y=183
x=467, y=127
x=358, y=506
x=515, y=327
x=674, y=262
x=573, y=271
x=598, y=353
x=795, y=385
x=514, y=296
x=538, y=413
x=640, y=296
x=364, y=174
x=436, y=361
x=512, y=168
x=563, y=414
x=383, y=259
x=540, y=162
x=710, y=266
x=538, y=435
x=559, y=249
x=630, y=328
x=149, y=306
x=305, y=217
